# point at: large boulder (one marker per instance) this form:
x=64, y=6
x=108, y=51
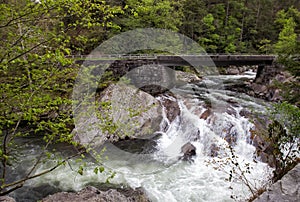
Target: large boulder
x=92, y=194
x=120, y=111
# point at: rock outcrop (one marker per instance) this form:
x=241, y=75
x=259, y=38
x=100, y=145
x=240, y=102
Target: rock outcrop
x=286, y=189
x=266, y=83
x=183, y=78
x=121, y=111
x=92, y=194
x=235, y=70
x=171, y=107
x=7, y=199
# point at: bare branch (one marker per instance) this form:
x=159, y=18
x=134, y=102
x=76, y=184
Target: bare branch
x=20, y=183
x=12, y=21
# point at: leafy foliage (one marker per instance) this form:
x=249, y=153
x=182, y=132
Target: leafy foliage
x=284, y=132
x=36, y=78
x=288, y=44
x=149, y=13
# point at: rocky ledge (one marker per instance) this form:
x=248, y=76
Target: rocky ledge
x=7, y=199
x=92, y=194
x=286, y=189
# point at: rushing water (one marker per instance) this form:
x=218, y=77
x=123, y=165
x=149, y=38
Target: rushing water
x=161, y=174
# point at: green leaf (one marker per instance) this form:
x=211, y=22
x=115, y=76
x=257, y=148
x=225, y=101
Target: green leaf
x=101, y=169
x=96, y=170
x=80, y=170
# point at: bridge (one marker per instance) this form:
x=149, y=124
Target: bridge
x=219, y=60
x=147, y=72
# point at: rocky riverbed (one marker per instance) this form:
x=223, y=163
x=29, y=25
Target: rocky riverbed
x=185, y=116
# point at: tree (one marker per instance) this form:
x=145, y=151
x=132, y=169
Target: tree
x=287, y=40
x=192, y=18
x=288, y=43
x=209, y=39
x=149, y=13
x=284, y=133
x=36, y=77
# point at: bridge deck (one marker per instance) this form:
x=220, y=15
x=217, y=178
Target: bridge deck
x=185, y=60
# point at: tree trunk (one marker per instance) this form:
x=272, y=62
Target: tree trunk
x=227, y=13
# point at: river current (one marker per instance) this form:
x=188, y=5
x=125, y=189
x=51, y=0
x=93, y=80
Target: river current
x=224, y=167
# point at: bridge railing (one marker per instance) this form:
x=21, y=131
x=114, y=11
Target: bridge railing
x=157, y=56
x=114, y=56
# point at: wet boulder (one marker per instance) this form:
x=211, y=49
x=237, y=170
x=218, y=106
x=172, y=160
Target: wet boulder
x=93, y=194
x=171, y=106
x=206, y=114
x=188, y=150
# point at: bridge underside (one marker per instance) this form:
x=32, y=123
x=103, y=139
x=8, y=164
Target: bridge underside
x=153, y=76
x=215, y=60
x=191, y=60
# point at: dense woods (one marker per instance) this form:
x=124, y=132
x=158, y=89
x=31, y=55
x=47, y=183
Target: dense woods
x=36, y=77
x=229, y=26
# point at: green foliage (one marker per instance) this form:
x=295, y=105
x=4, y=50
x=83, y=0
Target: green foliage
x=265, y=46
x=149, y=13
x=36, y=77
x=220, y=27
x=288, y=115
x=209, y=39
x=192, y=14
x=284, y=133
x=290, y=91
x=99, y=170
x=288, y=43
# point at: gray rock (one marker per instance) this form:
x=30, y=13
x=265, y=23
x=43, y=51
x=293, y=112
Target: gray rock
x=285, y=190
x=206, y=114
x=7, y=199
x=171, y=107
x=188, y=150
x=233, y=71
x=92, y=194
x=277, y=95
x=152, y=78
x=123, y=111
x=186, y=77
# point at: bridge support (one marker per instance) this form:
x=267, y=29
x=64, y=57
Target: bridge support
x=259, y=71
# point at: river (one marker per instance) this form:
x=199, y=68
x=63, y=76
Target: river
x=224, y=153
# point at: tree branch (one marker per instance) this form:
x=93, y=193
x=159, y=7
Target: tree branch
x=20, y=183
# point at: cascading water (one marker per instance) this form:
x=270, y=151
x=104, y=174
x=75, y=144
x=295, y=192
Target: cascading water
x=218, y=172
